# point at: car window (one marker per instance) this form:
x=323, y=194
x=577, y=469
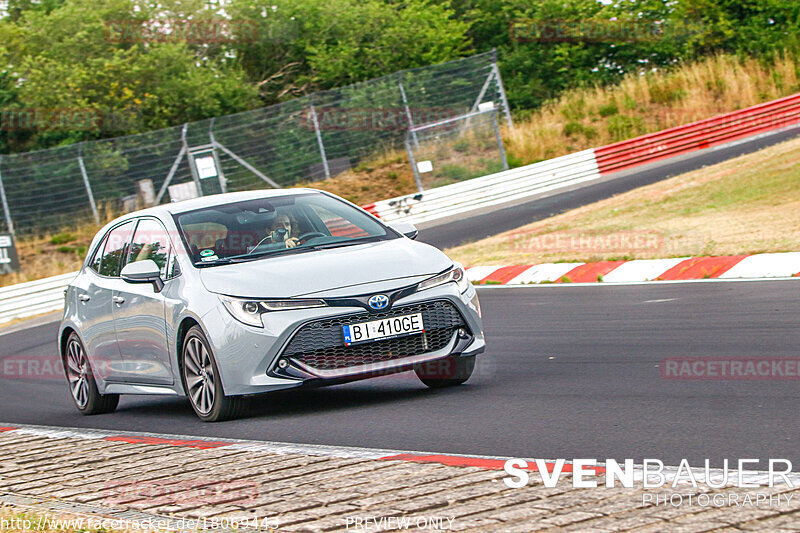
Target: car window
x=204, y=234
x=261, y=227
x=150, y=241
x=94, y=262
x=116, y=250
x=338, y=226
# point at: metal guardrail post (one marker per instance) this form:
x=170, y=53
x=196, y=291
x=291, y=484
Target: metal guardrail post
x=223, y=183
x=414, y=166
x=502, y=90
x=4, y=200
x=408, y=110
x=479, y=99
x=192, y=167
x=247, y=165
x=171, y=173
x=325, y=166
x=87, y=185
x=499, y=140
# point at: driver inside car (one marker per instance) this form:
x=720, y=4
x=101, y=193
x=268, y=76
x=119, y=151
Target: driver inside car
x=281, y=231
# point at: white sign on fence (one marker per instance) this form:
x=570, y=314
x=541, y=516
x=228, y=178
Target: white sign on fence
x=183, y=191
x=425, y=166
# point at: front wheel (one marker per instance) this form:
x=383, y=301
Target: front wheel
x=202, y=382
x=81, y=381
x=447, y=372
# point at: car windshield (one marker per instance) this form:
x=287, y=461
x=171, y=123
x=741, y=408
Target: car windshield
x=265, y=227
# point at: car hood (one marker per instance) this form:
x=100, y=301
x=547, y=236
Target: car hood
x=352, y=270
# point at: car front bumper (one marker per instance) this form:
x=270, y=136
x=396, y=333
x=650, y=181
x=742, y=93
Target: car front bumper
x=252, y=361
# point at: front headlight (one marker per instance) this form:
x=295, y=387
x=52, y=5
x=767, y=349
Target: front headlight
x=455, y=274
x=249, y=311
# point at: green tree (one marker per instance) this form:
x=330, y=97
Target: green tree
x=306, y=45
x=77, y=56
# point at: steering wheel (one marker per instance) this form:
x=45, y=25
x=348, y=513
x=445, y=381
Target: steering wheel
x=302, y=237
x=306, y=236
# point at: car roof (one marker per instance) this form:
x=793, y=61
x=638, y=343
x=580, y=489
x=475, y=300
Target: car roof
x=210, y=201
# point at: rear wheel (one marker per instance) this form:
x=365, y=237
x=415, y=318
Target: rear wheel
x=81, y=381
x=447, y=372
x=202, y=382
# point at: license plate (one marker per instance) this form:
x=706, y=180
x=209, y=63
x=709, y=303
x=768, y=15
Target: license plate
x=385, y=328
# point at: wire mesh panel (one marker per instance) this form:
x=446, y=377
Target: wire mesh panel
x=302, y=140
x=456, y=149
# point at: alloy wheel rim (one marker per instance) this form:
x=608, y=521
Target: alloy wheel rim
x=78, y=373
x=200, y=379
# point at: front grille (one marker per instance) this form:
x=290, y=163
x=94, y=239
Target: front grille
x=320, y=344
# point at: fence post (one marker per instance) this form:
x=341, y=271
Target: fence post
x=501, y=90
x=87, y=184
x=190, y=157
x=408, y=114
x=414, y=166
x=319, y=143
x=499, y=140
x=4, y=201
x=172, y=170
x=223, y=183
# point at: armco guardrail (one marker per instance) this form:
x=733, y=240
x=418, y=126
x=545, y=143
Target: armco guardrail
x=490, y=190
x=713, y=131
x=588, y=165
x=34, y=297
x=28, y=299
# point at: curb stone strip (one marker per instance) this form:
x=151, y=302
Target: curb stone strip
x=759, y=266
x=482, y=462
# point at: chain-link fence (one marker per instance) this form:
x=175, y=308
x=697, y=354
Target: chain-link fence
x=456, y=149
x=306, y=139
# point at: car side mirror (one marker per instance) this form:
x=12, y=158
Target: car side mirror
x=146, y=271
x=406, y=228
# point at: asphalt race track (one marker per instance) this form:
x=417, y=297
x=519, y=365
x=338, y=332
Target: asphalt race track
x=449, y=233
x=570, y=372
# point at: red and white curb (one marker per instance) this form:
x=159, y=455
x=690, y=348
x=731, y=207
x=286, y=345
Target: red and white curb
x=731, y=267
x=761, y=478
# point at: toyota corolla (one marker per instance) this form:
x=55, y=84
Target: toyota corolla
x=239, y=294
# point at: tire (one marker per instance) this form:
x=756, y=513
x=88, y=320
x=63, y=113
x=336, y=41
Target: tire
x=201, y=380
x=447, y=372
x=81, y=382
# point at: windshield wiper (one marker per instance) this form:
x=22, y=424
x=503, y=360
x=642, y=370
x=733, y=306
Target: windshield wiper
x=267, y=253
x=270, y=253
x=329, y=245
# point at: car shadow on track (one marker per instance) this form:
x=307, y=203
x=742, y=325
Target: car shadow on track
x=291, y=403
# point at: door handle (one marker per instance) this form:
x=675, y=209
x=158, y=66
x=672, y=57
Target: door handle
x=84, y=297
x=118, y=300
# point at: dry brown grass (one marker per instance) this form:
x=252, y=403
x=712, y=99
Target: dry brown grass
x=643, y=104
x=750, y=204
x=386, y=176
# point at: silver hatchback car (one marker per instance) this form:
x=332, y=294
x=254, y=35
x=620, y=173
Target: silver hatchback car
x=238, y=294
